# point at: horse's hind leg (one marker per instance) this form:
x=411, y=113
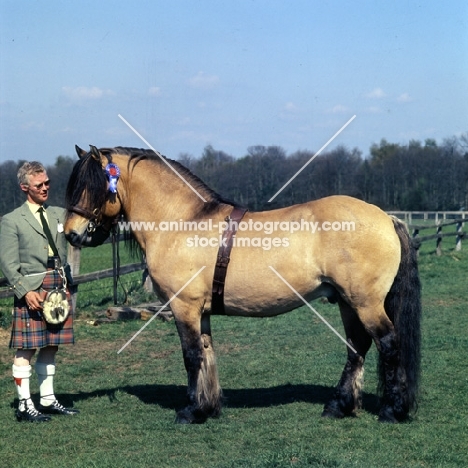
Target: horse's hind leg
x=203, y=390
x=393, y=381
x=346, y=399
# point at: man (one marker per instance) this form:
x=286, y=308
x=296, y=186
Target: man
x=33, y=254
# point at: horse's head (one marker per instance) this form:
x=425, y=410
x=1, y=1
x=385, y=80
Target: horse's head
x=92, y=201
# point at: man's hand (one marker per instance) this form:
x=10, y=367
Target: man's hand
x=33, y=300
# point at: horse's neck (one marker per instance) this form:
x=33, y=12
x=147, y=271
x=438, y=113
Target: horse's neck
x=153, y=193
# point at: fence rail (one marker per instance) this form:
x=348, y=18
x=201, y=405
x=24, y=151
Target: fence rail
x=440, y=221
x=82, y=279
x=436, y=216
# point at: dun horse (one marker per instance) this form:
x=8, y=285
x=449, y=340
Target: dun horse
x=337, y=247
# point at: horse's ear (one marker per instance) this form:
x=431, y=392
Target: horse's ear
x=95, y=153
x=80, y=152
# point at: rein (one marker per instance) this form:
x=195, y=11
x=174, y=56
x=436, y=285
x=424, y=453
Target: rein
x=222, y=262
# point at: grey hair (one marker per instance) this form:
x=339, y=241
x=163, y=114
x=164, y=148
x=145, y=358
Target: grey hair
x=29, y=169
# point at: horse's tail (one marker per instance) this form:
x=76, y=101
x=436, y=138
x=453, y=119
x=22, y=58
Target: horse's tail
x=403, y=306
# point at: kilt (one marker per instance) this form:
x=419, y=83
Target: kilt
x=31, y=331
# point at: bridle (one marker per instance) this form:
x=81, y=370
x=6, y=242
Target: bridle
x=94, y=217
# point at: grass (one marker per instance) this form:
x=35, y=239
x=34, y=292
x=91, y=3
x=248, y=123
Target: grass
x=276, y=374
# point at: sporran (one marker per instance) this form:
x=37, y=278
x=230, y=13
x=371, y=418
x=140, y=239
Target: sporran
x=55, y=307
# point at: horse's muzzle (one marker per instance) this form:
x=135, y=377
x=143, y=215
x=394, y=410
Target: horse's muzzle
x=76, y=239
x=88, y=238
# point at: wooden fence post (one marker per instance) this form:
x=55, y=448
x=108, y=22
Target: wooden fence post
x=74, y=259
x=416, y=244
x=458, y=242
x=439, y=241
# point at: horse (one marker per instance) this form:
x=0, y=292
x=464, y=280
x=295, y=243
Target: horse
x=370, y=271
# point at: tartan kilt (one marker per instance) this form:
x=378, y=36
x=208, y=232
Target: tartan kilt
x=31, y=331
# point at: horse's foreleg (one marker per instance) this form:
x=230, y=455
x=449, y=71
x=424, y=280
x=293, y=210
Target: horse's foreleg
x=203, y=390
x=346, y=399
x=209, y=390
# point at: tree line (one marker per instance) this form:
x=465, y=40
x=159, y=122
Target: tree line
x=414, y=177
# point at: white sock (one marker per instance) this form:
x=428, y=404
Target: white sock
x=45, y=376
x=21, y=375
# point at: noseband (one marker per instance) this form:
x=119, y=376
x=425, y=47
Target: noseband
x=94, y=217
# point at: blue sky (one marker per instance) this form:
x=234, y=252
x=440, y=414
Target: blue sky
x=231, y=74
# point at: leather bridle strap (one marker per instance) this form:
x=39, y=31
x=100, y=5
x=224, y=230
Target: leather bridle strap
x=224, y=252
x=94, y=217
x=85, y=213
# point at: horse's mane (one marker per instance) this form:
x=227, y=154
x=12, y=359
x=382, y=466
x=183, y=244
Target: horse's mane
x=87, y=178
x=213, y=199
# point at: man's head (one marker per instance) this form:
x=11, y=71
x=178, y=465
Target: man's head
x=33, y=181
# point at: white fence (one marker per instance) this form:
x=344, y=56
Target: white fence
x=437, y=216
x=438, y=220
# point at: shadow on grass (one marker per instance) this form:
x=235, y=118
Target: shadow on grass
x=174, y=396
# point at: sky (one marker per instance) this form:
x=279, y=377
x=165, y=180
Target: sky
x=231, y=74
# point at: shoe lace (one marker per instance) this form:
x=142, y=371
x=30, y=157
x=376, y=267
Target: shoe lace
x=32, y=411
x=57, y=405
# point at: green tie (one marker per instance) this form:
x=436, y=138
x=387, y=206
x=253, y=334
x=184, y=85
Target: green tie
x=47, y=232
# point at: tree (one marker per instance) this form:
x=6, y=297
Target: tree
x=10, y=194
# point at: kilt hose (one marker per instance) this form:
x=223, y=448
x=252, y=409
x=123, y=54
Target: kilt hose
x=31, y=331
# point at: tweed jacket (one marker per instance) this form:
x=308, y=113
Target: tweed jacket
x=24, y=247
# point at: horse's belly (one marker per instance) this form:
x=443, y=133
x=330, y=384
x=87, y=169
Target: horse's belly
x=274, y=300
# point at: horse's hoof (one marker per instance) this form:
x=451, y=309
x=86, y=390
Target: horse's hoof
x=332, y=413
x=188, y=416
x=334, y=410
x=390, y=414
x=386, y=415
x=184, y=417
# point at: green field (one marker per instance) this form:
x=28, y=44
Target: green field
x=276, y=374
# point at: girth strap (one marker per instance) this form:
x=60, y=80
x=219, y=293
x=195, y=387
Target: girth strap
x=224, y=252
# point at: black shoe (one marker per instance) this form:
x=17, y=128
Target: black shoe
x=32, y=415
x=57, y=408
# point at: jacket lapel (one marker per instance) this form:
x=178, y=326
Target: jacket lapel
x=29, y=217
x=53, y=222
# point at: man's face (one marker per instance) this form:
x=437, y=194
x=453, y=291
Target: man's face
x=38, y=189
